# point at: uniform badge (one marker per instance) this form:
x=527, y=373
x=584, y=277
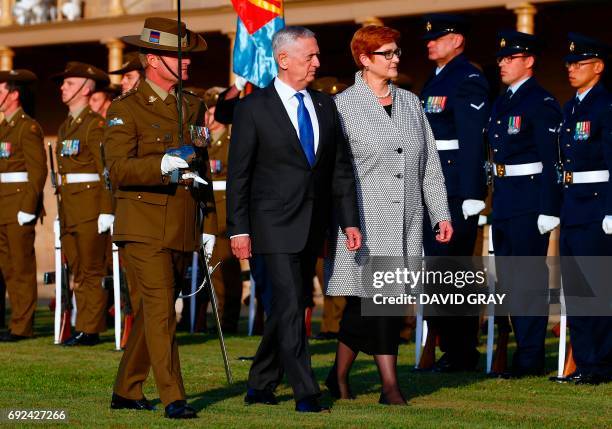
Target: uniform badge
x=502, y=43
x=216, y=166
x=5, y=150
x=514, y=124
x=572, y=47
x=200, y=136
x=152, y=99
x=435, y=104
x=70, y=147
x=428, y=26
x=115, y=121
x=583, y=130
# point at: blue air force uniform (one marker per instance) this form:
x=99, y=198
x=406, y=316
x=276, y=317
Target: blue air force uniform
x=585, y=147
x=456, y=102
x=522, y=135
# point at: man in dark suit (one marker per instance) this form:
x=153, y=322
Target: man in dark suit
x=288, y=163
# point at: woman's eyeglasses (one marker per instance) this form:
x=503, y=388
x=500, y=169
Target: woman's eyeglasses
x=388, y=54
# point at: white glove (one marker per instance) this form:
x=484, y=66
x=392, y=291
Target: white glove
x=607, y=224
x=482, y=220
x=240, y=82
x=23, y=218
x=208, y=241
x=472, y=207
x=194, y=176
x=547, y=223
x=170, y=163
x=105, y=221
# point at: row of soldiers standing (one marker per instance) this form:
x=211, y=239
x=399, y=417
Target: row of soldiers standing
x=86, y=206
x=548, y=167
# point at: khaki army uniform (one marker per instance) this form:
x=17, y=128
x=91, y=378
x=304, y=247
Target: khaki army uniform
x=227, y=277
x=84, y=198
x=156, y=223
x=23, y=171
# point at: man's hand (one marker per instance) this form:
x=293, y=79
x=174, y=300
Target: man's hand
x=105, y=221
x=445, y=233
x=208, y=241
x=241, y=246
x=606, y=224
x=353, y=238
x=170, y=163
x=472, y=207
x=23, y=218
x=547, y=223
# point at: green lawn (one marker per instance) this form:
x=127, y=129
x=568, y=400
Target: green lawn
x=35, y=374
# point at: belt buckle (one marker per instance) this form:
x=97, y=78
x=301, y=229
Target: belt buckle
x=568, y=177
x=500, y=170
x=63, y=180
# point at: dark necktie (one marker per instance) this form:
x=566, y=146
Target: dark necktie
x=507, y=97
x=306, y=131
x=576, y=104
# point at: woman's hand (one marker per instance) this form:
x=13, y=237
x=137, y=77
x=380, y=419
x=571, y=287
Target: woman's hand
x=353, y=238
x=445, y=233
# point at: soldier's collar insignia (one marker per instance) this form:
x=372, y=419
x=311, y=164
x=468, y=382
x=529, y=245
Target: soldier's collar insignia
x=152, y=98
x=428, y=26
x=572, y=47
x=502, y=43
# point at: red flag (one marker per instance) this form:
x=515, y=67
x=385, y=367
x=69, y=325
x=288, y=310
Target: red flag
x=257, y=13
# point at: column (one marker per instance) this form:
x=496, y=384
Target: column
x=116, y=8
x=369, y=20
x=525, y=13
x=115, y=57
x=6, y=58
x=6, y=12
x=231, y=35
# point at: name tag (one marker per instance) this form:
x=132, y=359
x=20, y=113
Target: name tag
x=200, y=136
x=5, y=150
x=583, y=130
x=514, y=125
x=216, y=166
x=70, y=147
x=435, y=104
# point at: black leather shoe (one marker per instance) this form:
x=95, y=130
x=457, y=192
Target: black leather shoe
x=256, y=396
x=121, y=403
x=579, y=377
x=82, y=339
x=310, y=405
x=9, y=337
x=180, y=410
x=332, y=385
x=466, y=363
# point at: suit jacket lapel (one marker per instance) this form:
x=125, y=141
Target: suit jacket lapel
x=281, y=117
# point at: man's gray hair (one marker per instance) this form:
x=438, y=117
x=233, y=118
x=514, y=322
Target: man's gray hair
x=287, y=36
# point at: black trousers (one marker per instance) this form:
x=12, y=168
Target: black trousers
x=458, y=334
x=284, y=346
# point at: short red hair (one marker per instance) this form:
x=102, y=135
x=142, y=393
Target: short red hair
x=369, y=38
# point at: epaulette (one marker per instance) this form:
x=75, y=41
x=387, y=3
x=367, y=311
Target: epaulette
x=125, y=94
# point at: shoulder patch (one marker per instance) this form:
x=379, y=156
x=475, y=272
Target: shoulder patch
x=125, y=94
x=115, y=121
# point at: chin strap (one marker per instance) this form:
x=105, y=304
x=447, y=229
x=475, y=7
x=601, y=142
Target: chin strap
x=77, y=91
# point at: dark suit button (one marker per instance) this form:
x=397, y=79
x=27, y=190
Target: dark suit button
x=399, y=150
x=399, y=175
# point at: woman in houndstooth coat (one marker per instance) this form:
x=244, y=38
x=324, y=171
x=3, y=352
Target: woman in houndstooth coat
x=398, y=176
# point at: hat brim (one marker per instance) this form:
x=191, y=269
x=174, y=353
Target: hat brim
x=574, y=58
x=435, y=35
x=197, y=43
x=59, y=77
x=125, y=70
x=506, y=52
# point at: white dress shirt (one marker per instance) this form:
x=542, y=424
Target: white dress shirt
x=581, y=96
x=515, y=87
x=290, y=101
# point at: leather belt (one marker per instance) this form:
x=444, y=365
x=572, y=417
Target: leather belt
x=508, y=170
x=447, y=144
x=595, y=176
x=14, y=177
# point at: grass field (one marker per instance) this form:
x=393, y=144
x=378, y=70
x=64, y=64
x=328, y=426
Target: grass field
x=35, y=374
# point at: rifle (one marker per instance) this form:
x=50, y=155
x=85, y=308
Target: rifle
x=62, y=288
